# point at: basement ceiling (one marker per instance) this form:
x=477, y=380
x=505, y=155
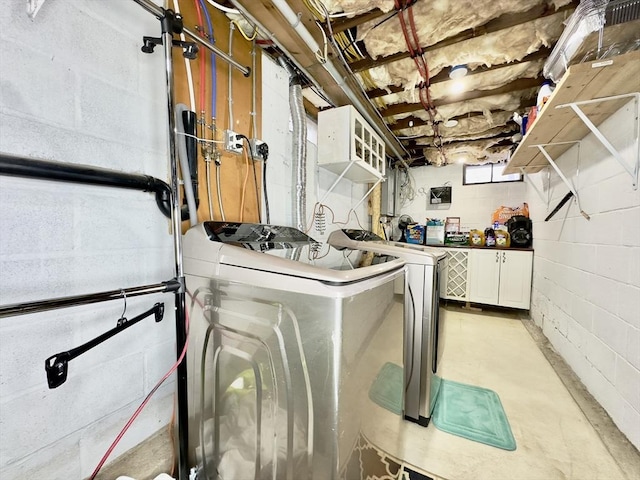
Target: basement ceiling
x=397, y=55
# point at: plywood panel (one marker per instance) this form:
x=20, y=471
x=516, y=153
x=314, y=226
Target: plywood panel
x=234, y=168
x=585, y=81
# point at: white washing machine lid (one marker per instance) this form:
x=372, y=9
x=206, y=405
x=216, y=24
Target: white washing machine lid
x=365, y=240
x=280, y=250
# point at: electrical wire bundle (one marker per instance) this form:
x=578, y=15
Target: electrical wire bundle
x=345, y=42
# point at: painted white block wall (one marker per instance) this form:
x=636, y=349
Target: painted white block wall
x=474, y=204
x=75, y=88
x=586, y=281
x=277, y=132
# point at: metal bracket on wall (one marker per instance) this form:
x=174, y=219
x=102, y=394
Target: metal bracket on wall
x=344, y=172
x=631, y=170
x=532, y=183
x=566, y=181
x=33, y=7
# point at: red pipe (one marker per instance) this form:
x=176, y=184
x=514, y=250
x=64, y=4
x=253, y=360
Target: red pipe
x=415, y=50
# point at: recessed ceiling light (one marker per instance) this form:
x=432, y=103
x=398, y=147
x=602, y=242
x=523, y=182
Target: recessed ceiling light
x=458, y=86
x=458, y=71
x=450, y=123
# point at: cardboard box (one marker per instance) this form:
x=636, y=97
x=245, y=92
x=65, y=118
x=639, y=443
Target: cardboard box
x=415, y=234
x=435, y=235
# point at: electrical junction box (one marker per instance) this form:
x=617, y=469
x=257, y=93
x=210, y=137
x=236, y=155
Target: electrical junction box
x=347, y=144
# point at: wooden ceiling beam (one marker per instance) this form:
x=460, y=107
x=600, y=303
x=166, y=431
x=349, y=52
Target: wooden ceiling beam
x=519, y=84
x=444, y=75
x=412, y=144
x=419, y=122
x=346, y=23
x=272, y=20
x=505, y=21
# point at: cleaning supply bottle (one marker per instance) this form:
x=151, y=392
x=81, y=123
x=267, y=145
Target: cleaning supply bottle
x=476, y=238
x=546, y=89
x=489, y=237
x=502, y=238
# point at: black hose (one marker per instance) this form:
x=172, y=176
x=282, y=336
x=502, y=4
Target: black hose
x=264, y=190
x=189, y=123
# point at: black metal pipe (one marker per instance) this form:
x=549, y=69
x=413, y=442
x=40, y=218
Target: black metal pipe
x=19, y=166
x=33, y=168
x=76, y=300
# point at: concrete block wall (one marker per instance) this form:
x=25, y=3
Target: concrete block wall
x=586, y=280
x=474, y=204
x=277, y=132
x=75, y=88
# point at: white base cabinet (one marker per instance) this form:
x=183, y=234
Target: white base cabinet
x=500, y=277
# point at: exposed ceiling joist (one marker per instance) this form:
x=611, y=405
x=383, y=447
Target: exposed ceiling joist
x=502, y=139
x=412, y=121
x=506, y=41
x=267, y=15
x=444, y=75
x=519, y=84
x=505, y=21
x=346, y=23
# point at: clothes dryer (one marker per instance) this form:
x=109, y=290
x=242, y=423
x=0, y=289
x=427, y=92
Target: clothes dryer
x=421, y=315
x=279, y=337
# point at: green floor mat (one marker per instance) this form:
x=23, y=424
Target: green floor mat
x=386, y=389
x=474, y=413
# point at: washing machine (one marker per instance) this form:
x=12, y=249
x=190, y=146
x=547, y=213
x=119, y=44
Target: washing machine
x=280, y=328
x=422, y=329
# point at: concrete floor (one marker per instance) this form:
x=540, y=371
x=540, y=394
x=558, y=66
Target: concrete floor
x=560, y=431
x=557, y=437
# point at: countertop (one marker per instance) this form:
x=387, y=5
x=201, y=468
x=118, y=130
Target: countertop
x=451, y=245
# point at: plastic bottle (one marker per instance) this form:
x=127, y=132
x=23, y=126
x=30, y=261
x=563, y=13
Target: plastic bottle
x=502, y=238
x=490, y=237
x=476, y=238
x=544, y=93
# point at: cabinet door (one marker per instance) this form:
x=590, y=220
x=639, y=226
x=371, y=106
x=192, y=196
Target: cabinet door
x=515, y=279
x=484, y=274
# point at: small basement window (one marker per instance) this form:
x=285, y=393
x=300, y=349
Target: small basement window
x=488, y=173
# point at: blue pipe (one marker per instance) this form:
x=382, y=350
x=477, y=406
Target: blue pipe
x=213, y=60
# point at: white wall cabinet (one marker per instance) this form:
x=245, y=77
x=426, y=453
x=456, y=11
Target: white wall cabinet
x=500, y=277
x=348, y=145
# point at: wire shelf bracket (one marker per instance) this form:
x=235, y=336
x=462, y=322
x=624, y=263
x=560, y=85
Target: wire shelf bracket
x=534, y=186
